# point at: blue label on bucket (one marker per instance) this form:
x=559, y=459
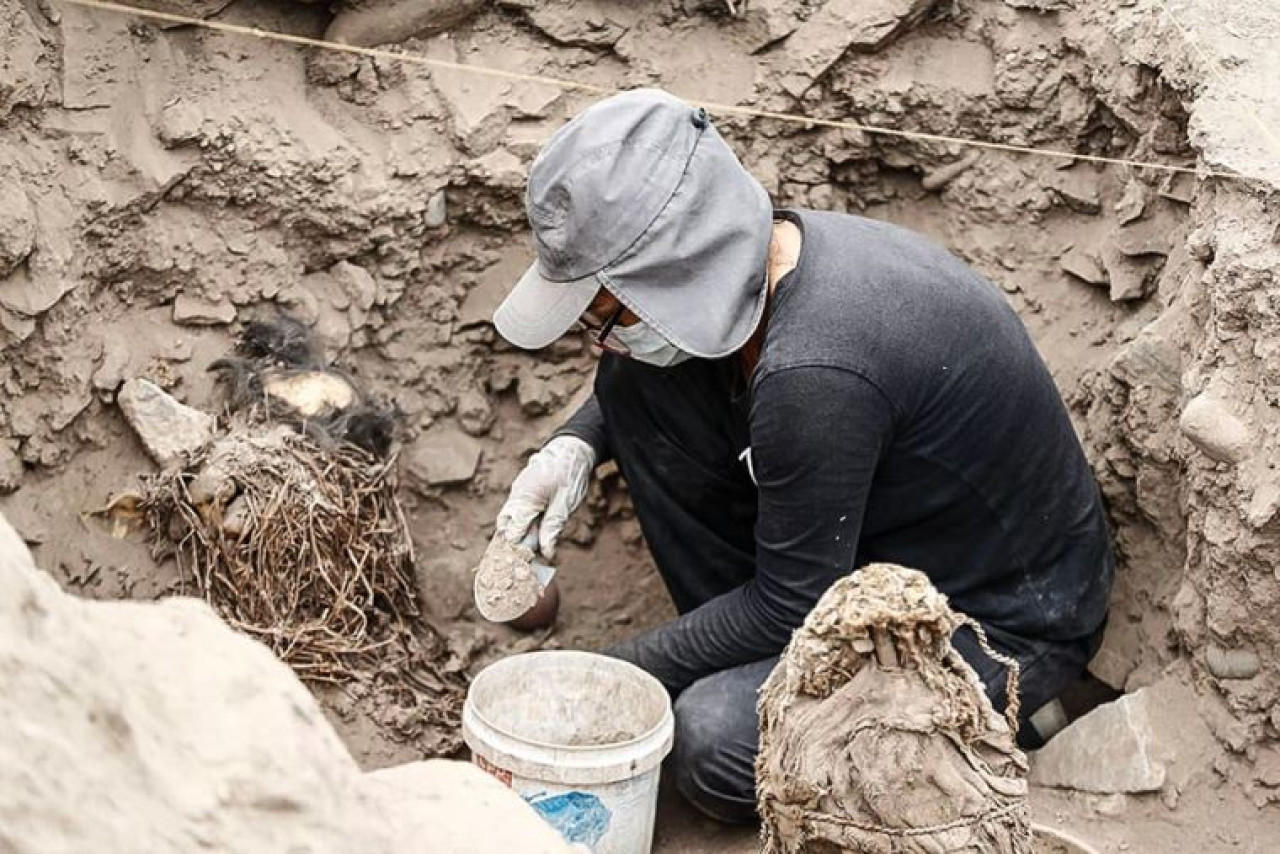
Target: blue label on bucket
x=579, y=816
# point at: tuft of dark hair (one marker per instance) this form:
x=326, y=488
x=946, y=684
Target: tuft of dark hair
x=285, y=341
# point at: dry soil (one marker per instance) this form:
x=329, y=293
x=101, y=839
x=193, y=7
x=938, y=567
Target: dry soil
x=159, y=186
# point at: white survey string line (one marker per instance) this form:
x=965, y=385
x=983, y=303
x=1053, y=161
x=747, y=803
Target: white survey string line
x=571, y=85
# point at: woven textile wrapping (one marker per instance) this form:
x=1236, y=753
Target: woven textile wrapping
x=876, y=736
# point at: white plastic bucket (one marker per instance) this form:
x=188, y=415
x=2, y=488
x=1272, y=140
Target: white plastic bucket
x=580, y=737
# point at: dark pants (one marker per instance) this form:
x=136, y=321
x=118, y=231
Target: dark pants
x=676, y=435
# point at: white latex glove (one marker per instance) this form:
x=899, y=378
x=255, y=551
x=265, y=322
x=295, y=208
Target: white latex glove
x=552, y=484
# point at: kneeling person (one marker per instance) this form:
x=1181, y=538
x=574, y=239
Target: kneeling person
x=791, y=395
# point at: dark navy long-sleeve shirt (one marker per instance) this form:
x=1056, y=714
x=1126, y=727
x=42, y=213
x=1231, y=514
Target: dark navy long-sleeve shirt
x=899, y=412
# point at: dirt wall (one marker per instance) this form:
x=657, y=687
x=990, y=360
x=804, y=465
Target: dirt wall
x=160, y=186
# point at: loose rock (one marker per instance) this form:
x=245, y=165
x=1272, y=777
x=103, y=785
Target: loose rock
x=11, y=469
x=443, y=807
x=1179, y=187
x=359, y=286
x=944, y=175
x=1232, y=663
x=1077, y=188
x=1212, y=428
x=189, y=8
x=371, y=23
x=193, y=311
x=443, y=457
x=31, y=294
x=1084, y=265
x=1110, y=805
x=483, y=299
x=476, y=104
x=437, y=212
x=1148, y=237
x=172, y=432
x=24, y=76
x=865, y=26
x=1264, y=505
x=540, y=394
x=1139, y=743
x=499, y=168
x=17, y=223
x=474, y=412
x=1133, y=203
x=587, y=23
x=110, y=373
x=1040, y=5
x=1129, y=279
x=444, y=584
x=1150, y=358
x=533, y=100
x=1267, y=768
x=767, y=22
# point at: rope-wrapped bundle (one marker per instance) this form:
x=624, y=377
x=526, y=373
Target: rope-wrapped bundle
x=876, y=736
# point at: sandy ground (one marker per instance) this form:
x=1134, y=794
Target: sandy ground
x=160, y=187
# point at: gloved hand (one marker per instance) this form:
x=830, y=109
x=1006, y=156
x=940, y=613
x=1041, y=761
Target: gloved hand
x=552, y=484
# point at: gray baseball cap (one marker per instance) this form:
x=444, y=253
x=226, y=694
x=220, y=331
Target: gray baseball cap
x=640, y=195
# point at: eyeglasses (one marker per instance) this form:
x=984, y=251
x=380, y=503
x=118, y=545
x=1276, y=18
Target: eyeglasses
x=600, y=332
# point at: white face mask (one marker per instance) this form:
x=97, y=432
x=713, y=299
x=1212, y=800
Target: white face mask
x=646, y=345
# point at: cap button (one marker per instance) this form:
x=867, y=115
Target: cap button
x=700, y=120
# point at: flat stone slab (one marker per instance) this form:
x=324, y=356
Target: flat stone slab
x=1084, y=265
x=193, y=311
x=443, y=457
x=1138, y=743
x=840, y=26
x=172, y=432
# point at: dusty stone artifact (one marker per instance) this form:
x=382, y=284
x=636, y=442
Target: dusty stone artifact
x=877, y=737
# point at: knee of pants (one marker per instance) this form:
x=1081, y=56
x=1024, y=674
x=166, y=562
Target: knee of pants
x=713, y=766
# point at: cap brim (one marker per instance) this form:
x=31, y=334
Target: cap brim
x=538, y=311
